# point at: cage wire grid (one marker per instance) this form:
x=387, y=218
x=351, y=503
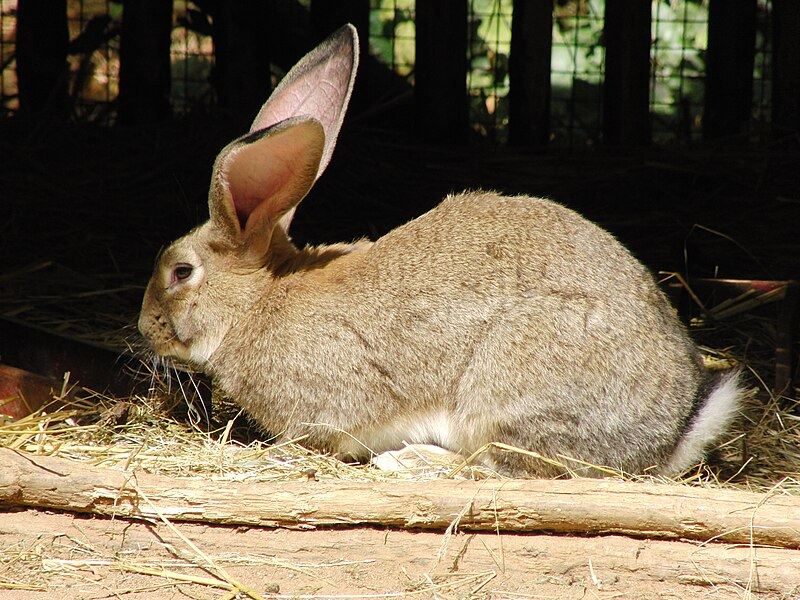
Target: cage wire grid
x=679, y=41
x=577, y=67
x=391, y=34
x=762, y=67
x=94, y=76
x=192, y=53
x=488, y=50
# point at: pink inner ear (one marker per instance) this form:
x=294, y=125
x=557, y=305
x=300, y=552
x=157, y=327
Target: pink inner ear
x=319, y=86
x=269, y=176
x=254, y=178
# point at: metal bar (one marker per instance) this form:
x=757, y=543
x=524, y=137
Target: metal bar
x=729, y=67
x=440, y=75
x=529, y=72
x=626, y=98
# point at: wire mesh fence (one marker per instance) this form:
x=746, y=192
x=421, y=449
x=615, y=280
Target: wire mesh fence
x=489, y=47
x=577, y=65
x=93, y=57
x=192, y=54
x=679, y=41
x=762, y=67
x=391, y=34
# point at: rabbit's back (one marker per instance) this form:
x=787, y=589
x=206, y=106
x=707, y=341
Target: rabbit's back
x=488, y=318
x=563, y=341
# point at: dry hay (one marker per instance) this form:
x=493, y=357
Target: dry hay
x=762, y=451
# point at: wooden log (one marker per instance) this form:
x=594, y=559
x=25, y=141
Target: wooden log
x=786, y=66
x=374, y=561
x=626, y=89
x=529, y=72
x=785, y=343
x=42, y=40
x=569, y=506
x=729, y=67
x=145, y=75
x=440, y=73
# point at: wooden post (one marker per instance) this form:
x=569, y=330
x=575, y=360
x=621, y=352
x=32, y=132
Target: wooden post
x=440, y=92
x=326, y=17
x=42, y=39
x=786, y=66
x=785, y=342
x=626, y=90
x=242, y=71
x=145, y=65
x=729, y=67
x=529, y=72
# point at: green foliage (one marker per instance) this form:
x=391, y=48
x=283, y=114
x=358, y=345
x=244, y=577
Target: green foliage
x=678, y=59
x=487, y=78
x=679, y=39
x=392, y=30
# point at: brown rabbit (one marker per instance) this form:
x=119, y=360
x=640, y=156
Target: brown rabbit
x=490, y=318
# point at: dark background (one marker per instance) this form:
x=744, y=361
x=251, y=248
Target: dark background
x=89, y=191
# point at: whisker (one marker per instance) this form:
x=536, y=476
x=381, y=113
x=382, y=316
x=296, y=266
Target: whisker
x=199, y=395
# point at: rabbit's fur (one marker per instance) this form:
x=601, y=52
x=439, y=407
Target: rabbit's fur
x=489, y=318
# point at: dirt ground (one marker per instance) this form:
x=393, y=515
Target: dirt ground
x=65, y=556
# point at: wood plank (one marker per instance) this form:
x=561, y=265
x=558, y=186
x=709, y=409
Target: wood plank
x=585, y=506
x=145, y=66
x=785, y=67
x=50, y=355
x=626, y=89
x=529, y=72
x=23, y=393
x=440, y=91
x=729, y=67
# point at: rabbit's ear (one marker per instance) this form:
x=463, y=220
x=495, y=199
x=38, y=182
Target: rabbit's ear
x=319, y=86
x=259, y=178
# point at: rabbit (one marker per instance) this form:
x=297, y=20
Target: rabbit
x=488, y=319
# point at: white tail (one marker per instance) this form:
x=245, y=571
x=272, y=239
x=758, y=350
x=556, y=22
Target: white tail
x=713, y=418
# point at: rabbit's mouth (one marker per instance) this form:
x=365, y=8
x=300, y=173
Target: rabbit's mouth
x=162, y=338
x=165, y=342
x=173, y=348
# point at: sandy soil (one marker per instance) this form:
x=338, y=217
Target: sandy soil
x=64, y=556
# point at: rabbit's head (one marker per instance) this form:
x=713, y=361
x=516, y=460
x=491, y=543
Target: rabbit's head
x=208, y=279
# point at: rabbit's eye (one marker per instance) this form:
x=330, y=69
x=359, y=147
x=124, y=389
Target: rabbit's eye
x=181, y=272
